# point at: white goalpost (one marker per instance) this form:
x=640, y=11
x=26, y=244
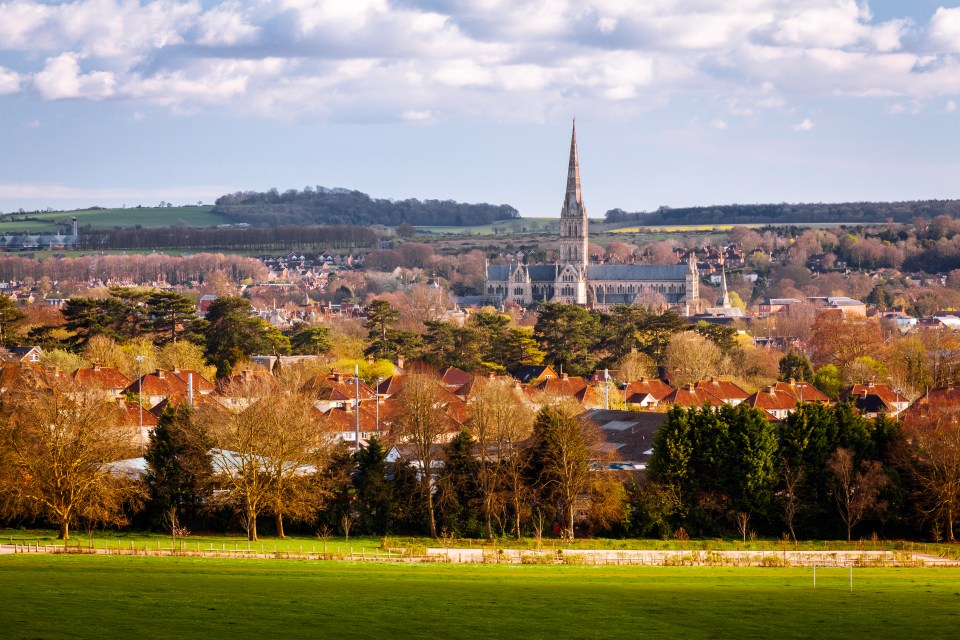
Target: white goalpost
x=832, y=566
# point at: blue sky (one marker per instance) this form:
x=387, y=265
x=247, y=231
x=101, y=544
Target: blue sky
x=678, y=102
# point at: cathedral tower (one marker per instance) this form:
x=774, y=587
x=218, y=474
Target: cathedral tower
x=573, y=216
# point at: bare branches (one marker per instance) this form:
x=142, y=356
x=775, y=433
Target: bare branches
x=857, y=492
x=60, y=442
x=270, y=442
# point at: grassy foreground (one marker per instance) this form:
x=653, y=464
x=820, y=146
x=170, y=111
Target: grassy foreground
x=95, y=597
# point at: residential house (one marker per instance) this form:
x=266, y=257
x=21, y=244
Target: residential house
x=692, y=397
x=646, y=393
x=872, y=399
x=775, y=404
x=106, y=378
x=725, y=390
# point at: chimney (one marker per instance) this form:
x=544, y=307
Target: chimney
x=74, y=226
x=160, y=373
x=491, y=375
x=189, y=389
x=399, y=362
x=564, y=376
x=793, y=382
x=691, y=387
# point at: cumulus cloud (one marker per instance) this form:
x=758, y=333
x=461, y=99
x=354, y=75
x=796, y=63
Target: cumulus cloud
x=944, y=30
x=393, y=58
x=61, y=78
x=804, y=125
x=9, y=81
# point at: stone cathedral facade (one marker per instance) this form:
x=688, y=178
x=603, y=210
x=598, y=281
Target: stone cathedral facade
x=574, y=280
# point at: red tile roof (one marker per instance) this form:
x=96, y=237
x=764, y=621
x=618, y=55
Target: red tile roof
x=102, y=377
x=692, y=396
x=647, y=386
x=770, y=399
x=723, y=389
x=802, y=391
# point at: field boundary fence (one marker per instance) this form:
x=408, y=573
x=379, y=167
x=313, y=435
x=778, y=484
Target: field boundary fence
x=494, y=555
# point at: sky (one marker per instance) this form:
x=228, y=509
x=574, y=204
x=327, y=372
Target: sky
x=677, y=102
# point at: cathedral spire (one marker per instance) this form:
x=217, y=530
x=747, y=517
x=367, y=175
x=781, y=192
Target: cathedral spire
x=573, y=215
x=573, y=172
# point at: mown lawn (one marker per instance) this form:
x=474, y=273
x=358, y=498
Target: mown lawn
x=110, y=596
x=337, y=543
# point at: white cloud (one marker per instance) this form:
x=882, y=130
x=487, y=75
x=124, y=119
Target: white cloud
x=388, y=58
x=9, y=81
x=944, y=30
x=61, y=78
x=805, y=125
x=951, y=106
x=225, y=25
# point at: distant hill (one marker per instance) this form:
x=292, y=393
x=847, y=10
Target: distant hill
x=343, y=206
x=788, y=213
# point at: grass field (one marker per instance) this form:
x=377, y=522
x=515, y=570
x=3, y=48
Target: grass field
x=112, y=597
x=337, y=543
x=194, y=216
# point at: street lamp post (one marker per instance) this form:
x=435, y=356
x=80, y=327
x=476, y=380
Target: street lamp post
x=356, y=408
x=377, y=396
x=139, y=360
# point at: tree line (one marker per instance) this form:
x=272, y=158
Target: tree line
x=325, y=206
x=274, y=238
x=174, y=270
x=264, y=452
x=785, y=213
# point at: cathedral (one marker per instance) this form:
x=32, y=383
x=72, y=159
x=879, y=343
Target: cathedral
x=574, y=280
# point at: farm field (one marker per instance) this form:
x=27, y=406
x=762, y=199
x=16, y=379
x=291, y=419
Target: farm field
x=504, y=227
x=109, y=596
x=195, y=216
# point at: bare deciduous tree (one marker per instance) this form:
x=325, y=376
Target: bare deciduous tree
x=792, y=479
x=857, y=491
x=499, y=421
x=935, y=462
x=692, y=357
x=59, y=442
x=566, y=449
x=422, y=422
x=270, y=443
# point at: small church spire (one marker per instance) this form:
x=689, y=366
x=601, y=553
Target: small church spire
x=724, y=300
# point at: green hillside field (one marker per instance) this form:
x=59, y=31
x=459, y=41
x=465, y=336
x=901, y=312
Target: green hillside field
x=195, y=216
x=82, y=596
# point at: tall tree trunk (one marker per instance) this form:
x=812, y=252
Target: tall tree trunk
x=516, y=510
x=279, y=519
x=849, y=530
x=64, y=530
x=251, y=526
x=433, y=520
x=486, y=513
x=570, y=521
